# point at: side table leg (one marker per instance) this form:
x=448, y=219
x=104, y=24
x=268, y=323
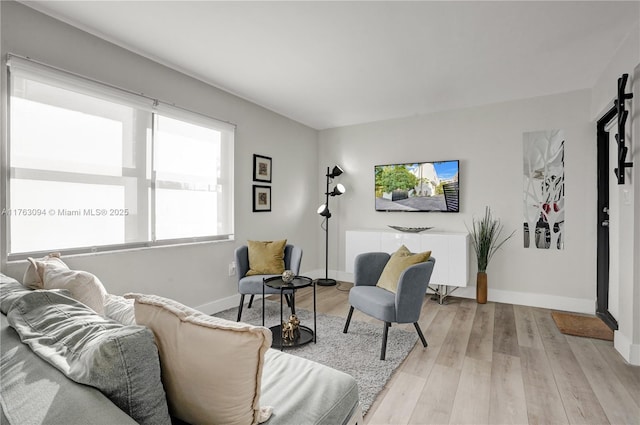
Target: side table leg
x=281, y=336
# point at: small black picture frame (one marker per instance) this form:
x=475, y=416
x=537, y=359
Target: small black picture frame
x=261, y=168
x=261, y=198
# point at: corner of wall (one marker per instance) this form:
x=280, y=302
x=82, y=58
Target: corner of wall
x=625, y=58
x=635, y=181
x=3, y=148
x=629, y=351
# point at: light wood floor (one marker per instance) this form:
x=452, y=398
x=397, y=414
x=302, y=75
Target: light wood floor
x=496, y=364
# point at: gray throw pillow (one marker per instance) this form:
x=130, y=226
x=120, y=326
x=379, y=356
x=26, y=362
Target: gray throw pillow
x=10, y=292
x=120, y=360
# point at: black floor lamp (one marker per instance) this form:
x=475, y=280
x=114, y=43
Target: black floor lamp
x=323, y=210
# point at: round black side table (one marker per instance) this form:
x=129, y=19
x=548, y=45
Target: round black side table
x=306, y=334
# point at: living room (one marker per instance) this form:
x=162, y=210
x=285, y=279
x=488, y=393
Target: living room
x=486, y=138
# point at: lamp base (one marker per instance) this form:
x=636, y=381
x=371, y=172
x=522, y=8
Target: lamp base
x=326, y=282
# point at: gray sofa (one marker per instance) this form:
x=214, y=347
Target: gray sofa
x=35, y=391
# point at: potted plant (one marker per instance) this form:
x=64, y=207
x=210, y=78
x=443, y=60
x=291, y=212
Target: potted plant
x=485, y=238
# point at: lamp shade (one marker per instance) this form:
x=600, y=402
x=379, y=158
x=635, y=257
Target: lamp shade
x=323, y=210
x=338, y=190
x=336, y=171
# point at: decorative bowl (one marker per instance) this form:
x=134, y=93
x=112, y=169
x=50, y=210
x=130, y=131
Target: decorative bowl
x=410, y=229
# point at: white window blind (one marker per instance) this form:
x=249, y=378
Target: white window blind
x=93, y=167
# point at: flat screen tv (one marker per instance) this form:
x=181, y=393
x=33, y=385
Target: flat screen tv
x=418, y=187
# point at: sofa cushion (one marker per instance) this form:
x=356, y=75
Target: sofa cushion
x=266, y=257
x=121, y=361
x=34, y=274
x=119, y=309
x=10, y=291
x=211, y=367
x=401, y=260
x=50, y=272
x=59, y=400
x=84, y=286
x=302, y=391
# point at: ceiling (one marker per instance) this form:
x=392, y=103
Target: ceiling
x=331, y=64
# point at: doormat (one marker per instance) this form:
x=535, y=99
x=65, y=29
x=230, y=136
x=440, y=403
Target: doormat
x=579, y=325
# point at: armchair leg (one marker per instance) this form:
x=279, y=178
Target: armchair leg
x=346, y=325
x=424, y=341
x=250, y=301
x=383, y=352
x=240, y=307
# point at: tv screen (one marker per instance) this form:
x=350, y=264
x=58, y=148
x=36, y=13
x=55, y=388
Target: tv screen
x=417, y=187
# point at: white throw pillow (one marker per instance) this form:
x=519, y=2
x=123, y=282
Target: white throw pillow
x=211, y=367
x=84, y=286
x=119, y=309
x=34, y=274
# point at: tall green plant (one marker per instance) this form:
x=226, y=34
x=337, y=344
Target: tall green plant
x=485, y=238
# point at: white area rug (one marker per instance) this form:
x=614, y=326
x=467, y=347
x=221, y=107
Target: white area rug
x=356, y=353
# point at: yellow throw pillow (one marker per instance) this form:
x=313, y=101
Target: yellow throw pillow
x=211, y=367
x=401, y=260
x=266, y=257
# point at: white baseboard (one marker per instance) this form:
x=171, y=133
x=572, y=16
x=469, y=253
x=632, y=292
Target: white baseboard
x=630, y=352
x=232, y=301
x=554, y=302
x=319, y=273
x=224, y=304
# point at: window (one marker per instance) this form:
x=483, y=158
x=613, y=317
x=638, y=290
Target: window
x=95, y=168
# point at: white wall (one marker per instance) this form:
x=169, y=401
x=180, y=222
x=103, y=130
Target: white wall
x=488, y=142
x=196, y=275
x=623, y=60
x=632, y=327
x=626, y=60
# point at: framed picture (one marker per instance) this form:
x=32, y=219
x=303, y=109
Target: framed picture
x=261, y=198
x=261, y=168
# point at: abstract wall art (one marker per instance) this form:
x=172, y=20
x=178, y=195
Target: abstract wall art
x=543, y=191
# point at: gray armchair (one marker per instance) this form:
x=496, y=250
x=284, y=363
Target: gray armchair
x=252, y=285
x=401, y=307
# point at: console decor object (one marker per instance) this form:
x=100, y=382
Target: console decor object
x=291, y=328
x=288, y=276
x=486, y=240
x=410, y=229
x=543, y=189
x=323, y=211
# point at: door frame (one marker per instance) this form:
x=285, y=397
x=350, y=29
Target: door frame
x=602, y=260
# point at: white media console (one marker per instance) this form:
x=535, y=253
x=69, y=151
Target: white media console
x=450, y=249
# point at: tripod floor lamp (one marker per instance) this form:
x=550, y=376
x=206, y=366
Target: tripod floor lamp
x=323, y=210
